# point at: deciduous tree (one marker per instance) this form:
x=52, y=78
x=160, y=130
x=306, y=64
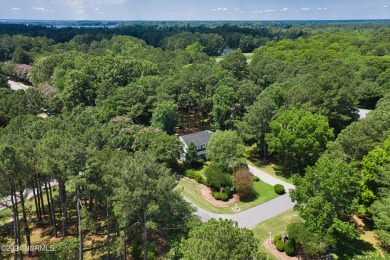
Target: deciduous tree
x=298, y=138
x=326, y=199
x=224, y=148
x=243, y=182
x=219, y=239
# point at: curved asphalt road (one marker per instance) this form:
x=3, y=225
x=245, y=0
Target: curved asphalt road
x=251, y=217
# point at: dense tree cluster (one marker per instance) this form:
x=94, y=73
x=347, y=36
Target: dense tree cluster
x=114, y=102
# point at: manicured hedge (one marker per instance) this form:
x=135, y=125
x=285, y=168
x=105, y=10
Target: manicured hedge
x=279, y=189
x=217, y=195
x=277, y=238
x=224, y=197
x=255, y=178
x=280, y=245
x=289, y=248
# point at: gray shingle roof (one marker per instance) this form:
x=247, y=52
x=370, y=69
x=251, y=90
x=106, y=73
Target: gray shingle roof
x=198, y=138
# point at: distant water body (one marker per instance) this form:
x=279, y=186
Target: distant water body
x=65, y=23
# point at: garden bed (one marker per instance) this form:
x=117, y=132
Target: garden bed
x=207, y=193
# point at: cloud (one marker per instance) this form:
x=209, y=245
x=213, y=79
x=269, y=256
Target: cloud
x=97, y=2
x=81, y=11
x=219, y=9
x=269, y=11
x=284, y=9
x=15, y=9
x=305, y=9
x=257, y=12
x=237, y=9
x=96, y=9
x=39, y=9
x=386, y=6
x=322, y=8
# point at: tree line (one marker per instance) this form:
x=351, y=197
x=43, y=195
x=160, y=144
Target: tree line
x=115, y=101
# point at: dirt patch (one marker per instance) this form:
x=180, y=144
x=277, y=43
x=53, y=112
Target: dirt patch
x=208, y=195
x=358, y=221
x=279, y=255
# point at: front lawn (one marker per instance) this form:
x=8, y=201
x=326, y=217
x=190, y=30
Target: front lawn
x=272, y=170
x=276, y=225
x=192, y=191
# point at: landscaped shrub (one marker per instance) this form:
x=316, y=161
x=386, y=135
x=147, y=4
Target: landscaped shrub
x=277, y=238
x=224, y=197
x=255, y=178
x=217, y=195
x=279, y=189
x=289, y=248
x=280, y=245
x=228, y=190
x=195, y=175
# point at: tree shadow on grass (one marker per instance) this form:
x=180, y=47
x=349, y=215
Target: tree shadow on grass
x=6, y=231
x=282, y=172
x=352, y=248
x=279, y=171
x=253, y=196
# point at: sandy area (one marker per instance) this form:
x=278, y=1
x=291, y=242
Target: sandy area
x=17, y=85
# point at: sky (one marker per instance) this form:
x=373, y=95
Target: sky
x=194, y=10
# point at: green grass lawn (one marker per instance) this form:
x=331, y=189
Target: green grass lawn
x=271, y=169
x=191, y=190
x=248, y=57
x=276, y=225
x=5, y=215
x=366, y=247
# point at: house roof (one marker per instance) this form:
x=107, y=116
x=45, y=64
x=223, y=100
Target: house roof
x=198, y=138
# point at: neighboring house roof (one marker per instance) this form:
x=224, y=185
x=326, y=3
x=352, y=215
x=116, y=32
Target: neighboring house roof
x=198, y=138
x=227, y=51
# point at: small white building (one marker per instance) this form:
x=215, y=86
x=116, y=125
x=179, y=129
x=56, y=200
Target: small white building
x=200, y=139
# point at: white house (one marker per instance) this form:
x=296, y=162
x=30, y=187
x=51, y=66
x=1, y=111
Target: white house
x=200, y=139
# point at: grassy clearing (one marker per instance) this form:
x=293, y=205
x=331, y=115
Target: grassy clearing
x=248, y=57
x=272, y=170
x=276, y=225
x=366, y=247
x=5, y=215
x=192, y=191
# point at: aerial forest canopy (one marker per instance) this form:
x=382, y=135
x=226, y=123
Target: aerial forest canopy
x=115, y=97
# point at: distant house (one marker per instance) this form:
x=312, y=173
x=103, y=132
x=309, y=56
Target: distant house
x=200, y=139
x=227, y=51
